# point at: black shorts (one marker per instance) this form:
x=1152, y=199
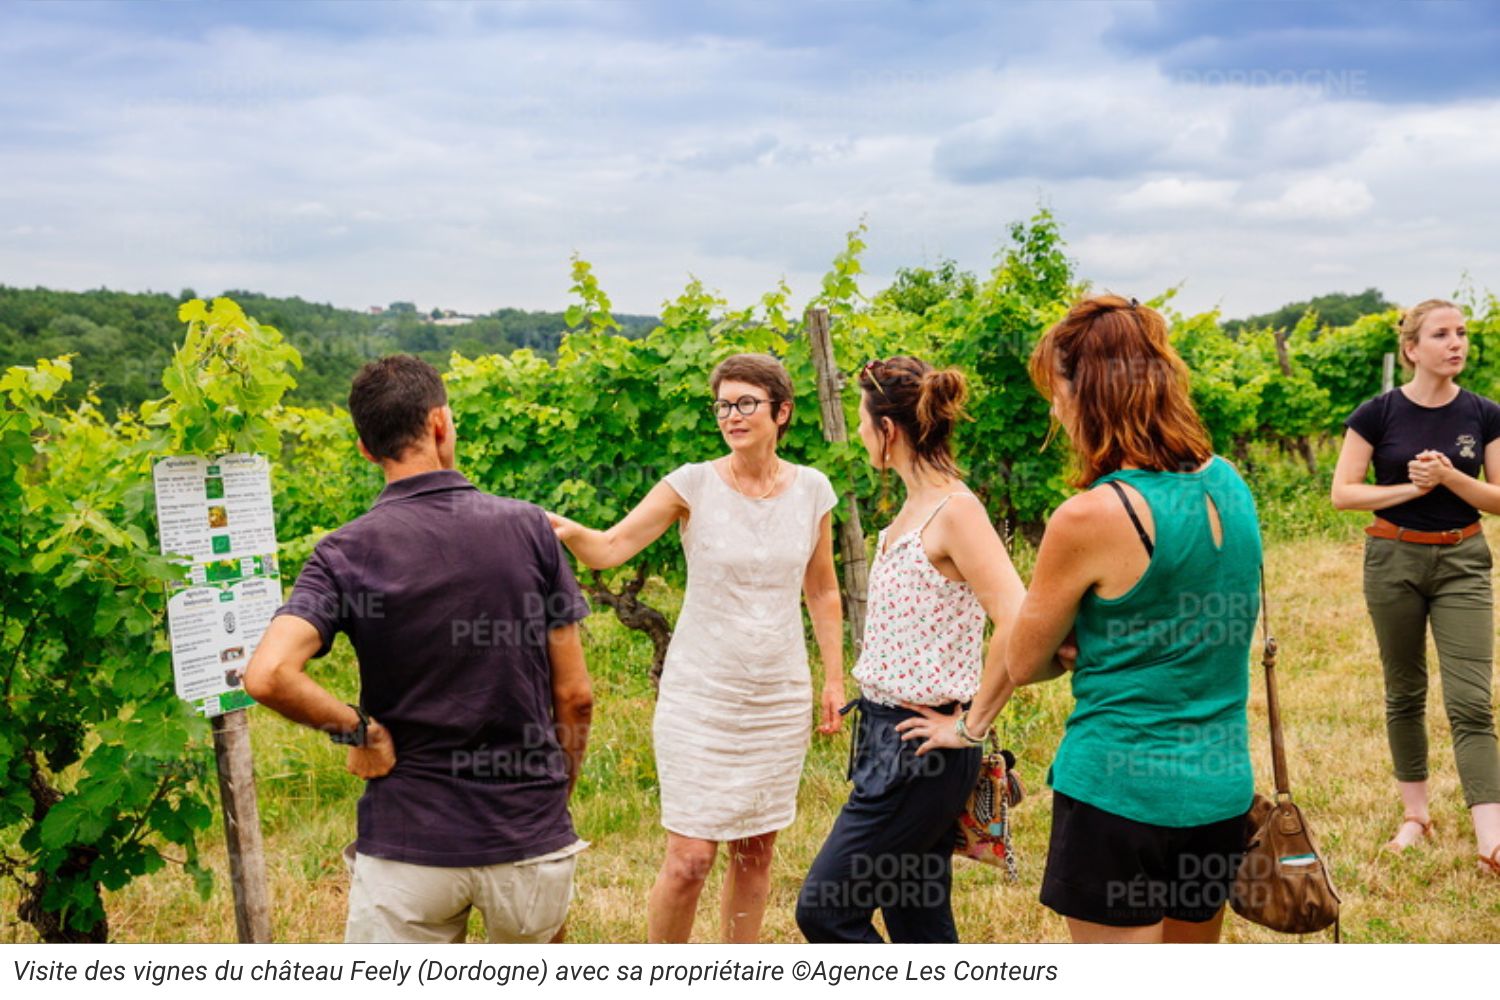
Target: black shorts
x=1110, y=870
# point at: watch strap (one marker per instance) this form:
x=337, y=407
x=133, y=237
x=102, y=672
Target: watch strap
x=356, y=737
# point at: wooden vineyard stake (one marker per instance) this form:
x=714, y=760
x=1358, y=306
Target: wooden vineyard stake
x=850, y=534
x=247, y=855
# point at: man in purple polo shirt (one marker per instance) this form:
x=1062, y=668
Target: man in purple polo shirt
x=474, y=697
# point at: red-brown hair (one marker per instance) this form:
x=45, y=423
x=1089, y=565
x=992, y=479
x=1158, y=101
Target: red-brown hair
x=1129, y=390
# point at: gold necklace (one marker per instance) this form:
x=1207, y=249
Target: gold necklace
x=736, y=477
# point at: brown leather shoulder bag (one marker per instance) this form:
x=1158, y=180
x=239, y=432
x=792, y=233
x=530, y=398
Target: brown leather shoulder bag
x=1283, y=882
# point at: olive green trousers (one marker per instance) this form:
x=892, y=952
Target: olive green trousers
x=1407, y=587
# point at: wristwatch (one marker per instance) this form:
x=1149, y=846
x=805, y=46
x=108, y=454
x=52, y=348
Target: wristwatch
x=356, y=736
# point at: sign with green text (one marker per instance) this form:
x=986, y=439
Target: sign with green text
x=215, y=515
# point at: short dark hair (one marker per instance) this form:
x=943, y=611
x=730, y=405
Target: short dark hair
x=390, y=401
x=762, y=371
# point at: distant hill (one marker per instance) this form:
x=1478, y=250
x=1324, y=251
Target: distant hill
x=1335, y=309
x=123, y=339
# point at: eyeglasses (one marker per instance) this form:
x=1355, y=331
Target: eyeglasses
x=747, y=405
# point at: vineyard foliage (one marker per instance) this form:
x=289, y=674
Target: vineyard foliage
x=102, y=769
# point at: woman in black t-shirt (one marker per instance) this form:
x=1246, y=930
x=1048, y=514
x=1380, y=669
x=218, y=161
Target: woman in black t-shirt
x=1427, y=562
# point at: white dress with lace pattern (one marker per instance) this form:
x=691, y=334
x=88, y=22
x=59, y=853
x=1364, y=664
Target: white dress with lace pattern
x=734, y=713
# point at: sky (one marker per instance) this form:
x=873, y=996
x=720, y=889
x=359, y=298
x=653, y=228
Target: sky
x=457, y=155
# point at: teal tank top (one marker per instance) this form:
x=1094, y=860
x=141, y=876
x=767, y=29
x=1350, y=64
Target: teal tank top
x=1158, y=733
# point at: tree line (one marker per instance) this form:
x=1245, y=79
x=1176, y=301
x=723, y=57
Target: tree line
x=122, y=340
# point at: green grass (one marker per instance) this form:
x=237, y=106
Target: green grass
x=1293, y=503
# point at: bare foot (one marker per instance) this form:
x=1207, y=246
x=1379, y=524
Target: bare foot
x=1411, y=830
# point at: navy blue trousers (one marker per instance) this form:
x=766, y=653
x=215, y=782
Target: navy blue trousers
x=891, y=848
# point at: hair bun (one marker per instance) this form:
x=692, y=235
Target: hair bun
x=945, y=383
x=940, y=402
x=922, y=403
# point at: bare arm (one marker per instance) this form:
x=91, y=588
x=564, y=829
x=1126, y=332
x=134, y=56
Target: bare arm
x=1066, y=569
x=820, y=587
x=277, y=678
x=1351, y=492
x=609, y=548
x=981, y=558
x=963, y=534
x=572, y=696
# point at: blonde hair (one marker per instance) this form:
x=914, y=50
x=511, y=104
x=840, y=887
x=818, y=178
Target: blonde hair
x=1411, y=326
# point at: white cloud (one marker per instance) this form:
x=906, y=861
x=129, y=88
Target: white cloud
x=1131, y=258
x=1176, y=193
x=461, y=167
x=1315, y=199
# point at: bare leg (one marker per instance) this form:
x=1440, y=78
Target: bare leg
x=674, y=898
x=1183, y=932
x=1084, y=932
x=1413, y=803
x=746, y=885
x=1487, y=827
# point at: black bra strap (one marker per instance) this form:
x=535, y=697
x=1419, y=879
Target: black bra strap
x=1129, y=509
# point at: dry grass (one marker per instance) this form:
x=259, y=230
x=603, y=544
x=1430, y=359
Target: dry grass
x=1331, y=688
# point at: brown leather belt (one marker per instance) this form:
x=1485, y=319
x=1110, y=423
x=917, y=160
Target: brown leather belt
x=1385, y=529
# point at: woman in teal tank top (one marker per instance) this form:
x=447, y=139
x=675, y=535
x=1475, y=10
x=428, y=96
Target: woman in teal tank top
x=1158, y=733
x=1155, y=567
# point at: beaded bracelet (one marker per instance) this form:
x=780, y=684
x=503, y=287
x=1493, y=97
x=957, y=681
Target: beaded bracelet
x=962, y=728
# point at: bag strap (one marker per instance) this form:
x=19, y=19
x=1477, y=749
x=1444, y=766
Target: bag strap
x=1273, y=704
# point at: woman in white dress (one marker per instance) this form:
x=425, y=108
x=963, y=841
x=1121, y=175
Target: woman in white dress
x=731, y=727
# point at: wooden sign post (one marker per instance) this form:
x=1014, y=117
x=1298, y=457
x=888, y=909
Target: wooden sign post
x=851, y=534
x=247, y=855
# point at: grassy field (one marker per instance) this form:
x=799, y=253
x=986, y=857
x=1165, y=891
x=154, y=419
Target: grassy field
x=1330, y=685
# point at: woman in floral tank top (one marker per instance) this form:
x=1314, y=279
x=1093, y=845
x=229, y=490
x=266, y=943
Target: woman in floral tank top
x=939, y=569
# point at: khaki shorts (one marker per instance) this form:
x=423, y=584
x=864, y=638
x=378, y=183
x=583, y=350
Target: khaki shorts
x=523, y=902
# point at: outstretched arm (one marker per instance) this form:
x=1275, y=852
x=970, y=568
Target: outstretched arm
x=611, y=547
